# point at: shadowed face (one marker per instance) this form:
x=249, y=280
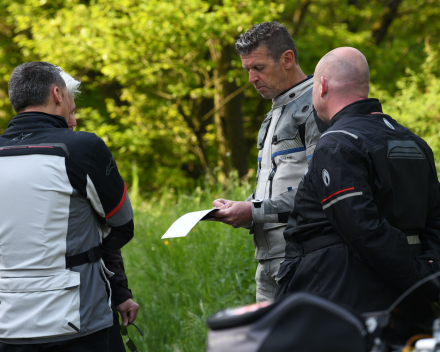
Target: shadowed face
x=71, y=122
x=317, y=100
x=267, y=75
x=64, y=104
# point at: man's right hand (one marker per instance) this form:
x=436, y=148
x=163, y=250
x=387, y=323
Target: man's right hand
x=236, y=214
x=220, y=203
x=128, y=311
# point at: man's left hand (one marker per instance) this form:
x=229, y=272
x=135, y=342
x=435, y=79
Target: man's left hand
x=236, y=214
x=128, y=310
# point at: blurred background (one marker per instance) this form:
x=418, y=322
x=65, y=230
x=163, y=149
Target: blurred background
x=163, y=86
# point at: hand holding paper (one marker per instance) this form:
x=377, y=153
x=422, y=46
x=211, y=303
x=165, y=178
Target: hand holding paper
x=236, y=214
x=183, y=225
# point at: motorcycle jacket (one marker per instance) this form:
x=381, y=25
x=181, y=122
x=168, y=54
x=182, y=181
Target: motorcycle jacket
x=62, y=202
x=366, y=220
x=286, y=142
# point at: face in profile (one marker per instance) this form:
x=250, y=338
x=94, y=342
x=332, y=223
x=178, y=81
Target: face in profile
x=71, y=122
x=265, y=74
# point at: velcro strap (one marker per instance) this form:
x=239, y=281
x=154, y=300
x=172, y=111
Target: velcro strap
x=92, y=255
x=320, y=242
x=414, y=239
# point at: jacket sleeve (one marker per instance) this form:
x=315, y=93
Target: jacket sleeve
x=118, y=282
x=108, y=195
x=274, y=210
x=340, y=177
x=428, y=262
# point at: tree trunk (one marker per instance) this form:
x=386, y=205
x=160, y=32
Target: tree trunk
x=233, y=117
x=227, y=114
x=380, y=27
x=222, y=158
x=298, y=16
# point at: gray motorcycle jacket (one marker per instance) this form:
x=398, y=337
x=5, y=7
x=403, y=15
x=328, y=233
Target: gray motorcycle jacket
x=62, y=200
x=286, y=142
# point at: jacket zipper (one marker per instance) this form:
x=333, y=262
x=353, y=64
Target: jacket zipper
x=271, y=176
x=274, y=169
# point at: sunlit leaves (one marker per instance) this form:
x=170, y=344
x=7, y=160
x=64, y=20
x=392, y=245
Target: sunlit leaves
x=145, y=62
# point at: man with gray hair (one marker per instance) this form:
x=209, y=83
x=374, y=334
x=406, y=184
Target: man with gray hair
x=367, y=213
x=286, y=142
x=122, y=298
x=63, y=202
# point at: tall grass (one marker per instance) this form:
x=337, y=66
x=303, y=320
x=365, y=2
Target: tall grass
x=180, y=282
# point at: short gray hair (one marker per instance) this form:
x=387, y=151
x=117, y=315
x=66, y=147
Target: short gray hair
x=273, y=35
x=30, y=84
x=71, y=83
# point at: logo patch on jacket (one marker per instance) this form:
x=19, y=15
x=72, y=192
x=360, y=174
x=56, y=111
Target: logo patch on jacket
x=110, y=166
x=21, y=136
x=325, y=177
x=388, y=123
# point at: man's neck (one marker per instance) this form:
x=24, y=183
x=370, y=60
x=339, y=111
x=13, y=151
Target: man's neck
x=40, y=108
x=299, y=76
x=296, y=79
x=342, y=104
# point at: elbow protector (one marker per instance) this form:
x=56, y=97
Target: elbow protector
x=119, y=236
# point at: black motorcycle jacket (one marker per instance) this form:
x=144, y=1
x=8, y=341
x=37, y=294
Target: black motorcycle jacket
x=367, y=213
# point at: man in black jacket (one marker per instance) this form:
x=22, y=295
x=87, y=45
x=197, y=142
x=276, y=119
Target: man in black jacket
x=63, y=201
x=367, y=213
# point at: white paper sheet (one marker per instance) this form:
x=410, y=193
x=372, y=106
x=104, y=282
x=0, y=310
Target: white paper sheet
x=183, y=225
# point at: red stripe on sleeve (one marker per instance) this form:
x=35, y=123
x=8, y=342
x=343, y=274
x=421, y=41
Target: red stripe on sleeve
x=344, y=190
x=114, y=211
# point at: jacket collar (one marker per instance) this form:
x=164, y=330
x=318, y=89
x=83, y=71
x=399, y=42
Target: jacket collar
x=33, y=119
x=360, y=107
x=293, y=93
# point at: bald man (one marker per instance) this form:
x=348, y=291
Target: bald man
x=367, y=213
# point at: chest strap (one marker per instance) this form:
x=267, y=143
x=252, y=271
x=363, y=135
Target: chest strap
x=92, y=255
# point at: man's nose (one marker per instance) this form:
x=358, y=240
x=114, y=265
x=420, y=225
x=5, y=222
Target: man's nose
x=253, y=77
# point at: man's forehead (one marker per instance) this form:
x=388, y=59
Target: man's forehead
x=258, y=55
x=71, y=100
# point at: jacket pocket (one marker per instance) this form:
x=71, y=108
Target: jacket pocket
x=39, y=306
x=285, y=275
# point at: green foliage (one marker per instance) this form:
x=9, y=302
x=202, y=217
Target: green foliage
x=180, y=282
x=417, y=104
x=158, y=75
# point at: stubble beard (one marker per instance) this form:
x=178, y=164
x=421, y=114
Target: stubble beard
x=268, y=95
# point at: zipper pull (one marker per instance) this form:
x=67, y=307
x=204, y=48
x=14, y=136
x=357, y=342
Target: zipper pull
x=272, y=173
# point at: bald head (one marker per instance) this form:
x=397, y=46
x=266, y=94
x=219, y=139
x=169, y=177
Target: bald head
x=343, y=77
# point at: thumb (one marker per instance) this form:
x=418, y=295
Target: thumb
x=218, y=202
x=124, y=317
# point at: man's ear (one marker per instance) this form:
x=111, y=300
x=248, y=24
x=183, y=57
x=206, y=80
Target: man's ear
x=324, y=86
x=57, y=94
x=288, y=59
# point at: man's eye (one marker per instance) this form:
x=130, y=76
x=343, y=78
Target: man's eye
x=259, y=68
